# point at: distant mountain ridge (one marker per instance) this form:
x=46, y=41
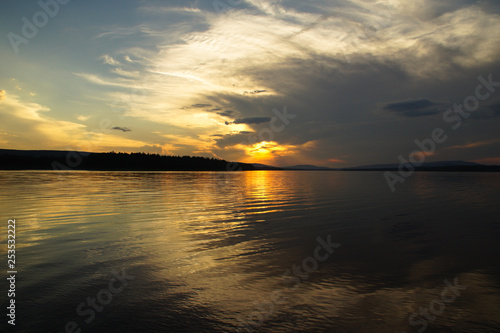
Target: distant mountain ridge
x=423, y=165
x=452, y=166
x=307, y=167
x=259, y=166
x=428, y=166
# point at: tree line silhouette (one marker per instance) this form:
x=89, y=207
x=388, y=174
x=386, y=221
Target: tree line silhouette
x=114, y=161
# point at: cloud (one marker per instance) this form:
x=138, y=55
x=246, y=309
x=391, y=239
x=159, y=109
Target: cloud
x=488, y=161
x=250, y=120
x=82, y=118
x=152, y=149
x=140, y=30
x=3, y=94
x=30, y=126
x=125, y=73
x=255, y=92
x=200, y=106
x=234, y=139
x=123, y=129
x=474, y=144
x=414, y=108
x=336, y=160
x=41, y=131
x=227, y=113
x=112, y=82
x=107, y=59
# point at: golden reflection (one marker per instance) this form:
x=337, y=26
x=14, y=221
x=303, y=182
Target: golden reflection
x=267, y=192
x=200, y=234
x=258, y=185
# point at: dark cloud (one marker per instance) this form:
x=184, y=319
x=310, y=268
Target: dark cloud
x=437, y=8
x=198, y=106
x=229, y=140
x=255, y=92
x=414, y=108
x=123, y=129
x=219, y=110
x=253, y=120
x=250, y=120
x=227, y=113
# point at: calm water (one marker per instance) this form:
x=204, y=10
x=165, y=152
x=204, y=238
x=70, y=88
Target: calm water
x=208, y=251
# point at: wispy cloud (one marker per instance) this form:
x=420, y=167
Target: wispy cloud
x=474, y=144
x=112, y=82
x=19, y=116
x=488, y=161
x=336, y=161
x=28, y=117
x=123, y=129
x=82, y=118
x=200, y=106
x=255, y=92
x=251, y=120
x=107, y=59
x=414, y=108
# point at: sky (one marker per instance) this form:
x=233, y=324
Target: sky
x=335, y=83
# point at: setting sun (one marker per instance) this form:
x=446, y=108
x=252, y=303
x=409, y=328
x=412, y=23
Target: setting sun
x=266, y=151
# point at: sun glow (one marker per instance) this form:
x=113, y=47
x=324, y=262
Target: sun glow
x=266, y=151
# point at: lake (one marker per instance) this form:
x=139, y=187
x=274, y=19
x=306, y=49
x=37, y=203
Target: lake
x=261, y=251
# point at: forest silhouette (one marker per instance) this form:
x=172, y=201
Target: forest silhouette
x=60, y=160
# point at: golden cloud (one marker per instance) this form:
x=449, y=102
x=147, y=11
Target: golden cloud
x=336, y=160
x=25, y=126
